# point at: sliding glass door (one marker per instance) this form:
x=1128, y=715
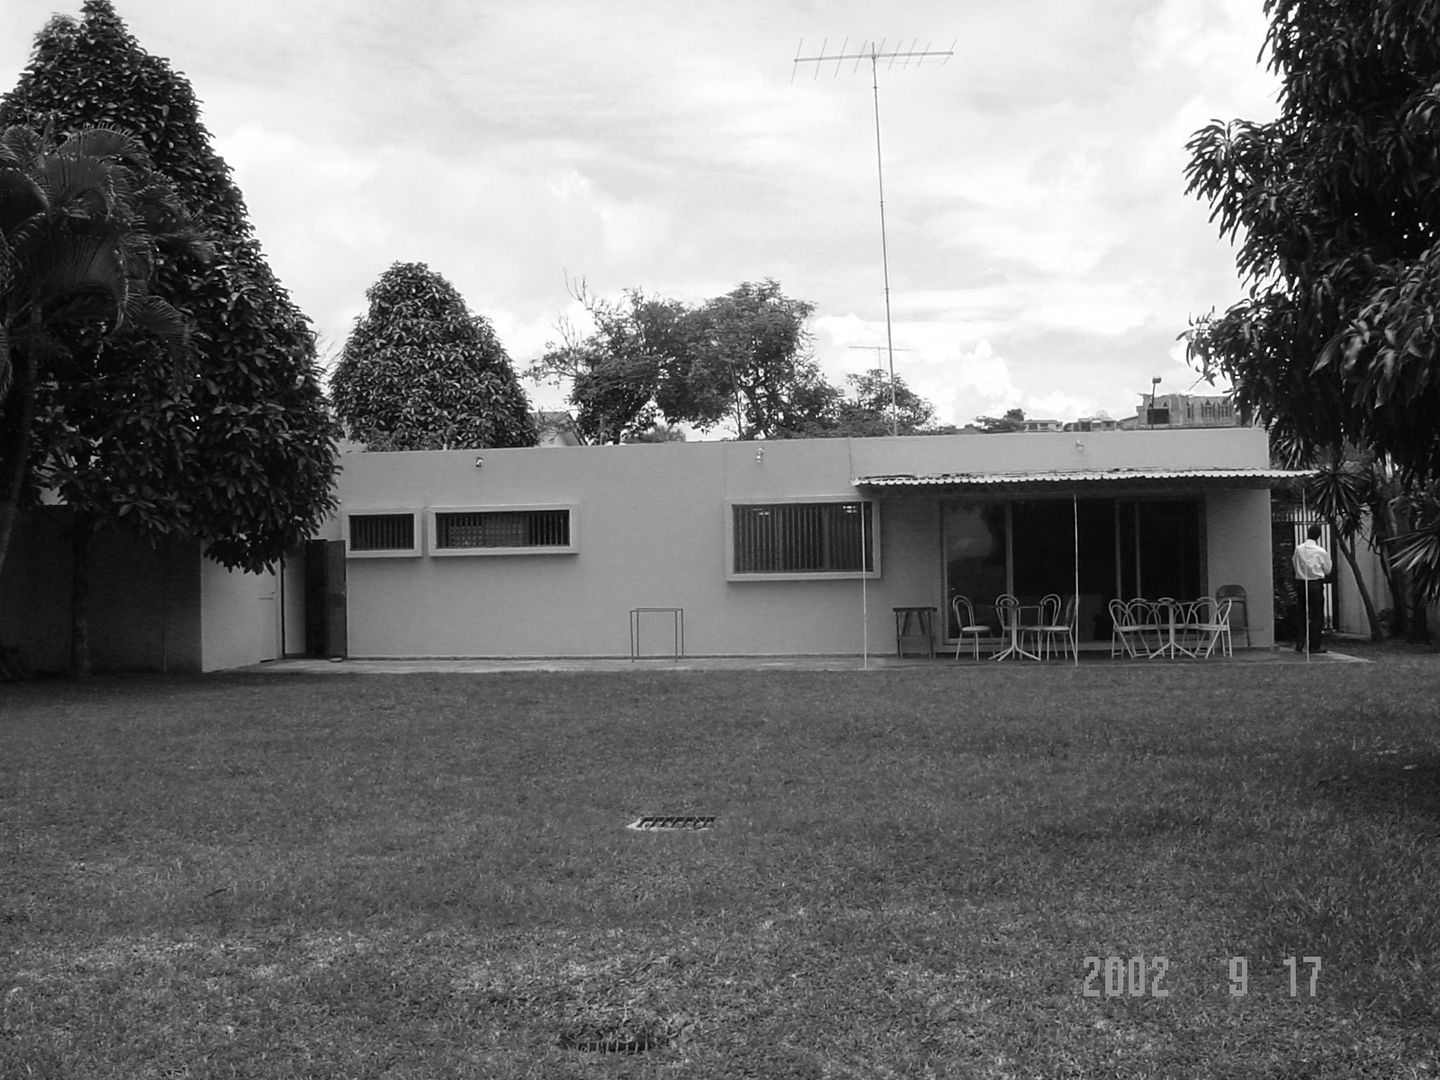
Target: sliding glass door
x=1118, y=548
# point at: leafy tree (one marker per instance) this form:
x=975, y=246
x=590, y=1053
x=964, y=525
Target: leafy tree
x=420, y=372
x=866, y=410
x=80, y=226
x=1013, y=420
x=752, y=363
x=239, y=454
x=614, y=373
x=741, y=358
x=1334, y=205
x=660, y=433
x=1341, y=490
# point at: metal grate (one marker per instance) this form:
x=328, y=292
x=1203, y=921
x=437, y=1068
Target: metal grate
x=382, y=532
x=502, y=529
x=672, y=823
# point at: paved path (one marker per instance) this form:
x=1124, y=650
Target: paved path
x=457, y=665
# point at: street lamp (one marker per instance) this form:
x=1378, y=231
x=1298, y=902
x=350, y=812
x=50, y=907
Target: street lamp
x=1150, y=413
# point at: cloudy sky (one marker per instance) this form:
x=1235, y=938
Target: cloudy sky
x=1042, y=253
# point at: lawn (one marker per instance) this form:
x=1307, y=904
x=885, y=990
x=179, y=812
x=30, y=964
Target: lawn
x=430, y=875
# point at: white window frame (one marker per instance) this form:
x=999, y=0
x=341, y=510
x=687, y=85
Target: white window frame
x=386, y=553
x=731, y=574
x=432, y=530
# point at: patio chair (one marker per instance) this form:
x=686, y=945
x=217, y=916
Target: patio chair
x=1212, y=623
x=1151, y=622
x=1062, y=626
x=967, y=624
x=1239, y=610
x=1048, y=615
x=1126, y=625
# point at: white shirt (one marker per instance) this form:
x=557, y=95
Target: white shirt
x=1312, y=562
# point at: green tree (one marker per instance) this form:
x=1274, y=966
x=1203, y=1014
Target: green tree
x=866, y=409
x=741, y=359
x=1333, y=203
x=81, y=224
x=240, y=454
x=752, y=364
x=614, y=372
x=420, y=372
x=1342, y=490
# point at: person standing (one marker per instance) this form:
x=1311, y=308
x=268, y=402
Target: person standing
x=1313, y=568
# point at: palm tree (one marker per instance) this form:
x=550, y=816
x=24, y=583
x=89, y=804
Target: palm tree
x=82, y=223
x=1343, y=490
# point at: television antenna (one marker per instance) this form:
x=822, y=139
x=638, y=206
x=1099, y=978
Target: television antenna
x=875, y=53
x=879, y=350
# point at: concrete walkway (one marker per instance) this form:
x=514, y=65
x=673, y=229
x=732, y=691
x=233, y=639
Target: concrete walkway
x=481, y=665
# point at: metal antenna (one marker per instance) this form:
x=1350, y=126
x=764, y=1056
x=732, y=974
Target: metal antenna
x=878, y=350
x=875, y=53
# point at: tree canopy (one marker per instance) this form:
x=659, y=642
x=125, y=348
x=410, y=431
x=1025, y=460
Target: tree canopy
x=420, y=372
x=865, y=410
x=1334, y=207
x=81, y=225
x=238, y=450
x=741, y=360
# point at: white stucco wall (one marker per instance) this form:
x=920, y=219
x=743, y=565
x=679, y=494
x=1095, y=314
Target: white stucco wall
x=1237, y=552
x=649, y=527
x=239, y=617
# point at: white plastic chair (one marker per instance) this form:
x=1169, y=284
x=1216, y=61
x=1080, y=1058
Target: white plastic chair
x=965, y=620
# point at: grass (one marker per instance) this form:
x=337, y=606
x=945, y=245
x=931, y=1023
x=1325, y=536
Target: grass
x=429, y=876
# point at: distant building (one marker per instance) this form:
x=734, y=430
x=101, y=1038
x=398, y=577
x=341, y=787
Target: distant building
x=1092, y=423
x=1184, y=411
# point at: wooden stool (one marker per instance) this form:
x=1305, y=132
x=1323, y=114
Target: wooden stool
x=913, y=622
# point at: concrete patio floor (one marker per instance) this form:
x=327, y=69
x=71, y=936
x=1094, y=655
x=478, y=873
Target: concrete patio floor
x=480, y=665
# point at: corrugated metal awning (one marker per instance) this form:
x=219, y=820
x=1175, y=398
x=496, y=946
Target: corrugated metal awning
x=1087, y=480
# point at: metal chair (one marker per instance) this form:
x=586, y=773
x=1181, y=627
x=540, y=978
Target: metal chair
x=1238, y=609
x=1212, y=622
x=1121, y=630
x=965, y=620
x=1060, y=624
x=1048, y=615
x=1130, y=619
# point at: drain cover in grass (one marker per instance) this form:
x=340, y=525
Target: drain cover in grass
x=671, y=822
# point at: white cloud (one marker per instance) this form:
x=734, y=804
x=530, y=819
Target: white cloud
x=1041, y=250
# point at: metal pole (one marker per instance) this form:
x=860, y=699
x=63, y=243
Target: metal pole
x=884, y=247
x=864, y=597
x=874, y=54
x=1075, y=611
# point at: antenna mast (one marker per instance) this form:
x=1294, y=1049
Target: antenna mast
x=875, y=53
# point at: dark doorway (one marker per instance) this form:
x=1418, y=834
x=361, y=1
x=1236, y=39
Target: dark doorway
x=325, y=614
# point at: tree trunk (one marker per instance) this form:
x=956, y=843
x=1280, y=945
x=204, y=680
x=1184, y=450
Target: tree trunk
x=80, y=595
x=1419, y=624
x=10, y=509
x=1347, y=548
x=1383, y=529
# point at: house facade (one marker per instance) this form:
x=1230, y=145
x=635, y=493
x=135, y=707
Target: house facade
x=799, y=547
x=784, y=548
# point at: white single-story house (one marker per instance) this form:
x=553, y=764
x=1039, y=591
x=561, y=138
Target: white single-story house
x=787, y=547
x=794, y=547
